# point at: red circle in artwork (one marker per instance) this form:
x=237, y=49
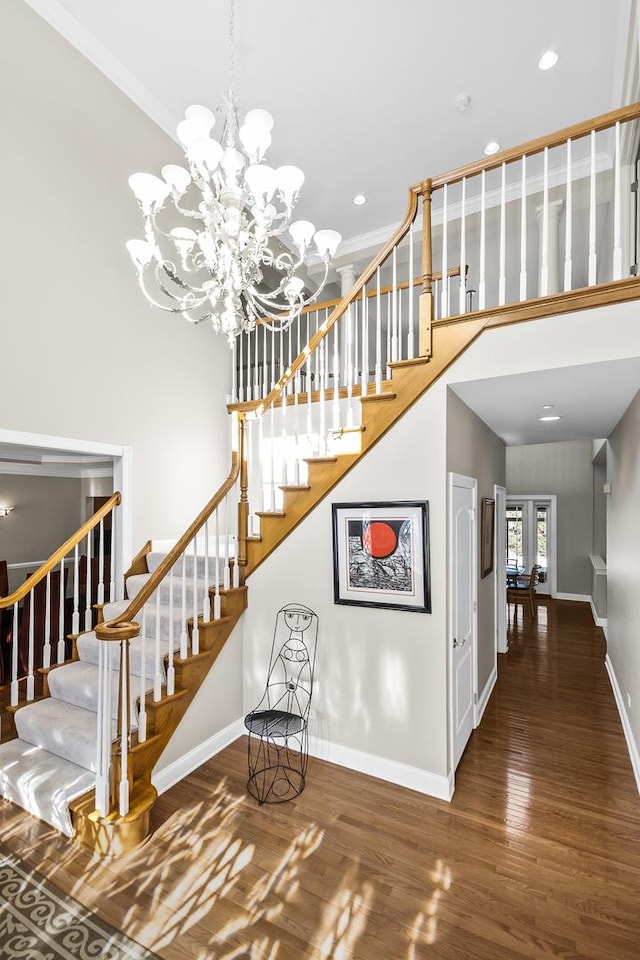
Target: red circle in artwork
x=379, y=539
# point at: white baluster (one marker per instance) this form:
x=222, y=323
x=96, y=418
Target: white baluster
x=462, y=292
x=100, y=593
x=125, y=701
x=322, y=361
x=296, y=416
x=378, y=366
x=394, y=305
x=272, y=458
x=240, y=341
x=387, y=371
x=184, y=637
x=206, y=602
x=30, y=656
x=216, y=599
x=46, y=650
x=617, y=213
x=482, y=282
x=592, y=214
x=349, y=366
x=88, y=613
x=502, y=280
x=234, y=371
x=410, y=340
x=523, y=231
x=142, y=709
x=61, y=651
x=445, y=254
x=248, y=376
x=14, y=657
x=568, y=224
x=226, y=575
x=171, y=671
x=364, y=380
x=157, y=671
x=544, y=259
x=236, y=566
x=112, y=560
x=336, y=375
x=195, y=632
x=103, y=722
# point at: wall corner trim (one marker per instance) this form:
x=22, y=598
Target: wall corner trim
x=599, y=621
x=626, y=726
x=174, y=772
x=423, y=781
x=486, y=694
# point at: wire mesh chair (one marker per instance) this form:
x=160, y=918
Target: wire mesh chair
x=278, y=747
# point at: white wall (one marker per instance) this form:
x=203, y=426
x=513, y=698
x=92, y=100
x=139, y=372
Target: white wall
x=623, y=569
x=381, y=674
x=85, y=356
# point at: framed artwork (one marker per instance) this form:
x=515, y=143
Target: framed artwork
x=487, y=535
x=381, y=555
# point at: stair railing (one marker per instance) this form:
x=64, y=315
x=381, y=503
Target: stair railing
x=205, y=560
x=544, y=219
x=88, y=577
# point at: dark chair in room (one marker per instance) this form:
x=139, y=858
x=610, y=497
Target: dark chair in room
x=523, y=589
x=278, y=747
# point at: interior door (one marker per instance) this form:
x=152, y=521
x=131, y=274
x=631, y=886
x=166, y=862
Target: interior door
x=463, y=610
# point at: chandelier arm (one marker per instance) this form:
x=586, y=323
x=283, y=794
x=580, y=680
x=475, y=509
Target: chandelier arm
x=183, y=308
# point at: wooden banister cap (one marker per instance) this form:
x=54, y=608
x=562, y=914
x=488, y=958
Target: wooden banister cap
x=119, y=631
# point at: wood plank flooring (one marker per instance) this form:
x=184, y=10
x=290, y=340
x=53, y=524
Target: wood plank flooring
x=537, y=856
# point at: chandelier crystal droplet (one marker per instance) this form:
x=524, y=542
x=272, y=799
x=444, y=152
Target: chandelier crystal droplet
x=219, y=242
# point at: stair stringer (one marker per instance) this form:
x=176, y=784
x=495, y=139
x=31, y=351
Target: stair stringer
x=410, y=379
x=117, y=835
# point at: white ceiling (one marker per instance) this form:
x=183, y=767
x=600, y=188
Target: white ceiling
x=363, y=94
x=590, y=399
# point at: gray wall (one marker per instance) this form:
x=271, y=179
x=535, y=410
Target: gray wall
x=599, y=510
x=475, y=451
x=46, y=511
x=89, y=358
x=623, y=561
x=564, y=469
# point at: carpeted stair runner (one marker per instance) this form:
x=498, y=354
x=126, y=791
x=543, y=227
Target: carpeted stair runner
x=53, y=759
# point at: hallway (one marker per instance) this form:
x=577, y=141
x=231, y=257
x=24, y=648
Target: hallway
x=537, y=856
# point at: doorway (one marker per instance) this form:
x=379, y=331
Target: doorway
x=531, y=537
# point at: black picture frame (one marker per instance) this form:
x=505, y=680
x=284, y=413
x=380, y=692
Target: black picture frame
x=381, y=555
x=487, y=535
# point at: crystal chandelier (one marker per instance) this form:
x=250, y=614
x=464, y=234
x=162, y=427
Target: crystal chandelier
x=218, y=231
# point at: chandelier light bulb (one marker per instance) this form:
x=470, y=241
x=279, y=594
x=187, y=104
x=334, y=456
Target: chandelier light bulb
x=141, y=252
x=150, y=191
x=261, y=181
x=302, y=232
x=289, y=180
x=327, y=242
x=201, y=115
x=176, y=178
x=205, y=155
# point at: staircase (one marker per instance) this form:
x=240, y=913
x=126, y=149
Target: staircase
x=52, y=761
x=88, y=731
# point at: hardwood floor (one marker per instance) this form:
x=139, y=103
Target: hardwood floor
x=537, y=856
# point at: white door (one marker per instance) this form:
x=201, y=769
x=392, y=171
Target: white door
x=531, y=537
x=500, y=495
x=463, y=540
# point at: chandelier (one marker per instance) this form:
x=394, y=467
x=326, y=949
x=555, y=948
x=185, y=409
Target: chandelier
x=219, y=243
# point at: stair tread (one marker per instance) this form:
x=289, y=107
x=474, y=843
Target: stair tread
x=414, y=361
x=270, y=513
x=295, y=486
x=320, y=459
x=375, y=397
x=62, y=729
x=40, y=781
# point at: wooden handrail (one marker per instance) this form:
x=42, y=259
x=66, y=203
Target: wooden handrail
x=403, y=285
x=178, y=549
x=343, y=303
x=532, y=147
x=60, y=553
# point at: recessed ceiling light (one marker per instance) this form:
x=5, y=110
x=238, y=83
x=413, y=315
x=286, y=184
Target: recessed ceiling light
x=492, y=147
x=548, y=60
x=548, y=406
x=359, y=199
x=549, y=419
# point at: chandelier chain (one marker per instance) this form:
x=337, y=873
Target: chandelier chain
x=231, y=45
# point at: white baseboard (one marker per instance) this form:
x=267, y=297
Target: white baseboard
x=390, y=770
x=399, y=773
x=483, y=700
x=626, y=726
x=599, y=621
x=581, y=597
x=180, y=768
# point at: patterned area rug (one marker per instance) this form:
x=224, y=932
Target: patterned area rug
x=38, y=922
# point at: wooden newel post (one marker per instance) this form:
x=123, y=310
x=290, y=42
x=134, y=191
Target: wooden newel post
x=426, y=295
x=243, y=505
